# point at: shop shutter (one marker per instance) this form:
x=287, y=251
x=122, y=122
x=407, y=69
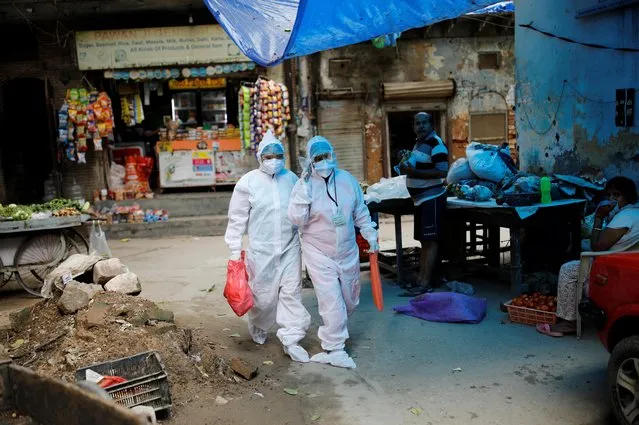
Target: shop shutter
x=341, y=123
x=418, y=90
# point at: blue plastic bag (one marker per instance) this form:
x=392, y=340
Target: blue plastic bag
x=446, y=307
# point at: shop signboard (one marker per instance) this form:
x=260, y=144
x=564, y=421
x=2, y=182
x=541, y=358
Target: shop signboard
x=145, y=47
x=187, y=168
x=197, y=83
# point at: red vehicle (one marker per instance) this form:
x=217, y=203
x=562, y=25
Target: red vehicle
x=613, y=307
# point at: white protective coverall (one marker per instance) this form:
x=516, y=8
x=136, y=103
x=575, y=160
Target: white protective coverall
x=330, y=251
x=259, y=204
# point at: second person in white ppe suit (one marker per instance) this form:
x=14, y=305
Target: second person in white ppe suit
x=327, y=204
x=259, y=207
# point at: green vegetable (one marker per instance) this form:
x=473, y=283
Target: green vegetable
x=25, y=212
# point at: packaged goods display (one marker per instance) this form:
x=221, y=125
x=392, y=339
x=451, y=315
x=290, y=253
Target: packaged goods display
x=84, y=116
x=263, y=106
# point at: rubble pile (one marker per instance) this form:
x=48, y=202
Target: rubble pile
x=85, y=323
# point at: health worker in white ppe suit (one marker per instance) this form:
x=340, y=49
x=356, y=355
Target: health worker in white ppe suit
x=326, y=205
x=259, y=207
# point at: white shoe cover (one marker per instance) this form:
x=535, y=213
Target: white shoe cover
x=258, y=335
x=335, y=358
x=320, y=358
x=297, y=353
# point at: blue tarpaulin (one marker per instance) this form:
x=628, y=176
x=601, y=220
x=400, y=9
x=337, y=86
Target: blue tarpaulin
x=501, y=7
x=270, y=31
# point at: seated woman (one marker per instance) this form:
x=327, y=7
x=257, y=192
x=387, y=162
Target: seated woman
x=620, y=233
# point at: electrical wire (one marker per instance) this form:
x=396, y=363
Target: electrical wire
x=570, y=40
x=485, y=21
x=553, y=121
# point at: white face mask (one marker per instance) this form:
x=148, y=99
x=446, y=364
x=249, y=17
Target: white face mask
x=273, y=166
x=324, y=168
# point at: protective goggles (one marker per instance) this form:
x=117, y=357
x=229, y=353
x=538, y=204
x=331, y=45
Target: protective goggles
x=322, y=156
x=272, y=156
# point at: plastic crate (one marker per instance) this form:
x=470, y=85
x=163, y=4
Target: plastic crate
x=147, y=382
x=530, y=316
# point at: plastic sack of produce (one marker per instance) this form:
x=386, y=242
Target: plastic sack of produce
x=476, y=193
x=446, y=307
x=460, y=170
x=490, y=162
x=98, y=242
x=393, y=188
x=237, y=290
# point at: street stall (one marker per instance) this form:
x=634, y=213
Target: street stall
x=482, y=222
x=486, y=193
x=175, y=101
x=35, y=239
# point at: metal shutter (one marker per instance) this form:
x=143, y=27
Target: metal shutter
x=418, y=90
x=340, y=122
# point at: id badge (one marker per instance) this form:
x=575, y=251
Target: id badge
x=339, y=219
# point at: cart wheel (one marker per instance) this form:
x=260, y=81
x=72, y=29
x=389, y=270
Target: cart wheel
x=4, y=276
x=76, y=243
x=36, y=258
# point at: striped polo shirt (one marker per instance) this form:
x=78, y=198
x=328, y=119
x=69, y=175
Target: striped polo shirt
x=430, y=153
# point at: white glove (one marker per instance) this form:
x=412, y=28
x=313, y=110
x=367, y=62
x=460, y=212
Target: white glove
x=373, y=247
x=236, y=255
x=306, y=167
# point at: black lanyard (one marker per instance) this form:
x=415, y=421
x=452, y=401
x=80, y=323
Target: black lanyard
x=335, y=186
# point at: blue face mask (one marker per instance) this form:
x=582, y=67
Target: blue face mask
x=325, y=167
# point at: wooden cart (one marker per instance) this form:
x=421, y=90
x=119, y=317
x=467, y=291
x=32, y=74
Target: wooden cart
x=30, y=250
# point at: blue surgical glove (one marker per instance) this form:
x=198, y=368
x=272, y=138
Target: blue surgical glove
x=373, y=247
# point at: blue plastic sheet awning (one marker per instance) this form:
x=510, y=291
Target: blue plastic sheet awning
x=501, y=7
x=270, y=31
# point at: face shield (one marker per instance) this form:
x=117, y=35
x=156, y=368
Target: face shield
x=322, y=156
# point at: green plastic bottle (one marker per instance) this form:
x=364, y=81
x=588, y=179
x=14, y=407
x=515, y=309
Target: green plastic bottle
x=544, y=185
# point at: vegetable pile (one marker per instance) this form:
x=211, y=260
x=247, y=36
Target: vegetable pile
x=536, y=301
x=56, y=208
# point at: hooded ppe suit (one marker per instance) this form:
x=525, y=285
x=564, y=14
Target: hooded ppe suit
x=259, y=205
x=326, y=210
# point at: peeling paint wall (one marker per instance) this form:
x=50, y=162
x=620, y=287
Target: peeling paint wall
x=566, y=92
x=420, y=59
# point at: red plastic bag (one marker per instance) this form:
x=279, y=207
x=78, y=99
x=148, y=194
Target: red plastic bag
x=237, y=291
x=376, y=283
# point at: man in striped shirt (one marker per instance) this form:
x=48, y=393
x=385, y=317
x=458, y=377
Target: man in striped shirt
x=425, y=181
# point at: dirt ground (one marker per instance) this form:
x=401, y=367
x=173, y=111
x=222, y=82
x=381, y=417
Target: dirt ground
x=407, y=369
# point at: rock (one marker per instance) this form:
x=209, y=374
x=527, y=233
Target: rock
x=96, y=314
x=243, y=368
x=105, y=270
x=76, y=296
x=19, y=319
x=139, y=319
x=221, y=401
x=73, y=266
x=163, y=328
x=161, y=315
x=126, y=283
